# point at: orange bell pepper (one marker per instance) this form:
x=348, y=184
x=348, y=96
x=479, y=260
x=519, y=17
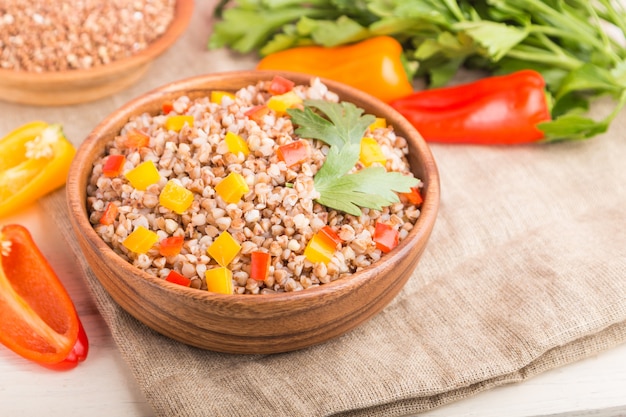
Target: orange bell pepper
x=373, y=65
x=34, y=160
x=38, y=320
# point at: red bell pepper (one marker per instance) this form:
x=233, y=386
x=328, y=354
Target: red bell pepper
x=259, y=265
x=178, y=278
x=385, y=237
x=110, y=214
x=497, y=110
x=38, y=320
x=136, y=139
x=293, y=153
x=113, y=165
x=280, y=85
x=171, y=246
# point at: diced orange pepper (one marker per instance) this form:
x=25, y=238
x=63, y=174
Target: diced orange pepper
x=177, y=278
x=330, y=237
x=113, y=165
x=371, y=152
x=293, y=153
x=282, y=102
x=136, y=139
x=141, y=240
x=257, y=113
x=167, y=107
x=110, y=214
x=175, y=197
x=224, y=249
x=177, y=122
x=236, y=144
x=171, y=246
x=414, y=197
x=143, y=175
x=259, y=265
x=232, y=188
x=385, y=237
x=219, y=280
x=280, y=85
x=217, y=96
x=319, y=250
x=380, y=122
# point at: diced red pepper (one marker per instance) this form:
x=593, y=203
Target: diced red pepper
x=385, y=237
x=280, y=85
x=293, y=153
x=113, y=165
x=257, y=113
x=177, y=278
x=167, y=107
x=110, y=214
x=330, y=236
x=171, y=246
x=259, y=265
x=414, y=197
x=136, y=139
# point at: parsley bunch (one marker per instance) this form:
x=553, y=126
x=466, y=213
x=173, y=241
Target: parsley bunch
x=342, y=129
x=577, y=45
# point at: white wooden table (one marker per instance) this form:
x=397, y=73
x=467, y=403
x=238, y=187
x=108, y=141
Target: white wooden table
x=104, y=386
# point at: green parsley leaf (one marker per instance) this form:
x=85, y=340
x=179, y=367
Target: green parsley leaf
x=371, y=187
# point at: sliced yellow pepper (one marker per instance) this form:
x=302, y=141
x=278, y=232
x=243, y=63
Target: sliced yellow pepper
x=217, y=96
x=175, y=197
x=224, y=248
x=143, y=175
x=380, y=122
x=319, y=249
x=219, y=280
x=177, y=122
x=141, y=240
x=371, y=152
x=34, y=160
x=282, y=102
x=232, y=188
x=236, y=144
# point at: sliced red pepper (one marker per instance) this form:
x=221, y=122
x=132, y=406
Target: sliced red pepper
x=78, y=353
x=110, y=214
x=280, y=85
x=113, y=165
x=330, y=236
x=259, y=265
x=385, y=237
x=171, y=246
x=414, y=197
x=136, y=139
x=257, y=113
x=293, y=153
x=177, y=278
x=167, y=107
x=497, y=110
x=38, y=320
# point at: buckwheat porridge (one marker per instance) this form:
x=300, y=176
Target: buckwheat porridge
x=209, y=185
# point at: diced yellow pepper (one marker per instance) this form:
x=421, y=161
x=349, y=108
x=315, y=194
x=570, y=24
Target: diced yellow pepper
x=319, y=250
x=219, y=280
x=140, y=240
x=224, y=248
x=236, y=144
x=371, y=152
x=232, y=188
x=217, y=96
x=177, y=122
x=380, y=122
x=282, y=102
x=143, y=175
x=175, y=197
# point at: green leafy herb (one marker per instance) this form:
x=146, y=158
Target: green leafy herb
x=577, y=45
x=342, y=129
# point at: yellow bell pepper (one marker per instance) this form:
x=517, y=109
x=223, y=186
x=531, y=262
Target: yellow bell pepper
x=319, y=249
x=232, y=188
x=380, y=122
x=143, y=175
x=236, y=144
x=224, y=249
x=175, y=197
x=219, y=280
x=141, y=240
x=34, y=160
x=371, y=152
x=217, y=96
x=282, y=102
x=177, y=122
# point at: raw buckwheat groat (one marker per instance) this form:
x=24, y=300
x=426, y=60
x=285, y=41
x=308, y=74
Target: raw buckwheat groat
x=196, y=145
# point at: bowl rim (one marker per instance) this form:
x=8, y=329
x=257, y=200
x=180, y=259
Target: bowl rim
x=81, y=168
x=182, y=15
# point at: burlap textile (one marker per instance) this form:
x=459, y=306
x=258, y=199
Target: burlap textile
x=525, y=271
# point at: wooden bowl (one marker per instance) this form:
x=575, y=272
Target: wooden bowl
x=268, y=323
x=78, y=86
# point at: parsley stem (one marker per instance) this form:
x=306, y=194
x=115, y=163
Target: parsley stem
x=528, y=53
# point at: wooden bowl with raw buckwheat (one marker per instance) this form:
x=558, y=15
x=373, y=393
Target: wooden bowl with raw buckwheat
x=253, y=211
x=68, y=52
